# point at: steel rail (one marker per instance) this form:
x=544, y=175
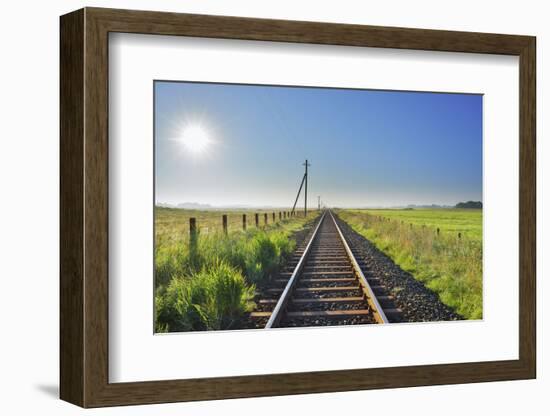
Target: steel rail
x=285, y=296
x=378, y=312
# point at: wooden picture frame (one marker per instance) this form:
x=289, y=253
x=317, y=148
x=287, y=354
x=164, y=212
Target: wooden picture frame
x=84, y=207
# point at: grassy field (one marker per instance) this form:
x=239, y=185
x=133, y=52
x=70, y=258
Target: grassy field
x=170, y=220
x=207, y=282
x=447, y=264
x=468, y=222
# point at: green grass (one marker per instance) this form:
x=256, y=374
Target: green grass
x=450, y=266
x=208, y=282
x=213, y=298
x=468, y=222
x=174, y=220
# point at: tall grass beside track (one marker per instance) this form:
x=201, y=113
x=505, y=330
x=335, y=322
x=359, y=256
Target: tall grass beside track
x=450, y=266
x=208, y=283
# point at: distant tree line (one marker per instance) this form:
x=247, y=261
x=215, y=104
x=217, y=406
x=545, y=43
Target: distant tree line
x=470, y=204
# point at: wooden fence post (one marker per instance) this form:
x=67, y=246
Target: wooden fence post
x=193, y=239
x=244, y=222
x=256, y=219
x=224, y=223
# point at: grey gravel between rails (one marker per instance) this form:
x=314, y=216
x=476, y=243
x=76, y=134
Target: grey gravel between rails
x=317, y=322
x=417, y=302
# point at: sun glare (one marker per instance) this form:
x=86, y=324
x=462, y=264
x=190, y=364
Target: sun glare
x=195, y=139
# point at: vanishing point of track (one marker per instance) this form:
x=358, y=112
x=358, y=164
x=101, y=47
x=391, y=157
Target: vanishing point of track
x=324, y=284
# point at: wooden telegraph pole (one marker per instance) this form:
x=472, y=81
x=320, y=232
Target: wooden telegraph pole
x=305, y=193
x=304, y=180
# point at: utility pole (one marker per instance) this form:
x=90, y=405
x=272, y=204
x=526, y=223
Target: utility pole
x=304, y=180
x=305, y=194
x=319, y=202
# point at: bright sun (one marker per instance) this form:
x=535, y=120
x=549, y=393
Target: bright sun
x=195, y=139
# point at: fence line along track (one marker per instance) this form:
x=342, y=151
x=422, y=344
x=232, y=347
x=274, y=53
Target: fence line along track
x=323, y=284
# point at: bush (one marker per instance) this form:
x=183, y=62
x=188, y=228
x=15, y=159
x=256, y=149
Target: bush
x=170, y=260
x=261, y=259
x=266, y=253
x=214, y=298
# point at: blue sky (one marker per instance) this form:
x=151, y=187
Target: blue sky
x=366, y=148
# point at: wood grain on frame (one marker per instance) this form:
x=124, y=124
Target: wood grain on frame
x=71, y=206
x=84, y=207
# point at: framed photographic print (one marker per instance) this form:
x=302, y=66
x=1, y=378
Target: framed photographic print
x=255, y=207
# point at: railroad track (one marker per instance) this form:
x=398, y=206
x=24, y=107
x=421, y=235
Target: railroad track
x=324, y=284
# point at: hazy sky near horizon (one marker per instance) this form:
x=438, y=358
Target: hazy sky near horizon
x=366, y=148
